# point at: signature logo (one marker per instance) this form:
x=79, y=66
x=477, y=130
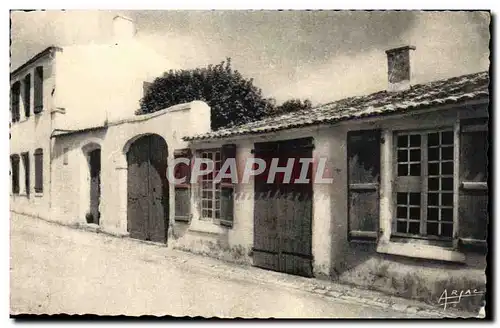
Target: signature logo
x=455, y=296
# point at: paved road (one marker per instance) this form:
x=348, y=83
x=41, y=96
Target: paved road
x=55, y=269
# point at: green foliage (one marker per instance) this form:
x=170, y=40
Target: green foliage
x=232, y=98
x=291, y=106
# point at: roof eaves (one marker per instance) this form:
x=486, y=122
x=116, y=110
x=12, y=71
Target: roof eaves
x=377, y=112
x=36, y=57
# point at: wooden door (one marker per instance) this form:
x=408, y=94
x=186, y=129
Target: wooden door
x=266, y=242
x=158, y=189
x=95, y=184
x=148, y=189
x=138, y=186
x=283, y=211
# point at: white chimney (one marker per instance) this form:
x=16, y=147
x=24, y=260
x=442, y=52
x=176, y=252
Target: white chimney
x=399, y=68
x=123, y=28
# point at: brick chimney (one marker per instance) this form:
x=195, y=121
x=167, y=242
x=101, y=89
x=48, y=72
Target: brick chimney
x=399, y=68
x=123, y=28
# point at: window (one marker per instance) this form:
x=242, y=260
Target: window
x=38, y=89
x=424, y=184
x=27, y=95
x=210, y=191
x=26, y=163
x=15, y=94
x=39, y=170
x=14, y=163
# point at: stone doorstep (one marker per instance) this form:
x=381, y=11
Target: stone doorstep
x=324, y=288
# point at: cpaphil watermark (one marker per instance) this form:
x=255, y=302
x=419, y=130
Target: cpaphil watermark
x=455, y=296
x=296, y=170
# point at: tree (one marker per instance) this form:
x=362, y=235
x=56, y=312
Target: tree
x=232, y=98
x=291, y=106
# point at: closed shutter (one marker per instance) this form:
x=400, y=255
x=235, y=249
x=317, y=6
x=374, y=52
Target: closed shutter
x=227, y=189
x=15, y=94
x=363, y=156
x=27, y=95
x=183, y=190
x=14, y=161
x=473, y=194
x=38, y=170
x=38, y=90
x=26, y=162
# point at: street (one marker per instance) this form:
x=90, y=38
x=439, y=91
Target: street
x=57, y=269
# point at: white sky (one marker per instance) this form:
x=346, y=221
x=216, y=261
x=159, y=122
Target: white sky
x=320, y=55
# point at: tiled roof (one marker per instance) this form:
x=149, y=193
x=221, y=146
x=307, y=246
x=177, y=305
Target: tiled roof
x=449, y=91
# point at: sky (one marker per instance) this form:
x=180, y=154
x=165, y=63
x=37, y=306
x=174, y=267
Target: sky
x=317, y=55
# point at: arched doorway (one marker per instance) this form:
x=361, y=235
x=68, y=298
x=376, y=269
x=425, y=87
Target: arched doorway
x=147, y=196
x=92, y=185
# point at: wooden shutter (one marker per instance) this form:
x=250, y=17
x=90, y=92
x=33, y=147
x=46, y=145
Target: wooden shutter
x=183, y=190
x=38, y=170
x=15, y=97
x=38, y=90
x=473, y=176
x=26, y=162
x=27, y=95
x=363, y=156
x=14, y=161
x=227, y=189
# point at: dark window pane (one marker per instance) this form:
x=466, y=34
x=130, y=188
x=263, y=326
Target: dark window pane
x=402, y=212
x=414, y=228
x=402, y=169
x=447, y=153
x=433, y=183
x=447, y=230
x=447, y=138
x=415, y=140
x=415, y=170
x=447, y=199
x=433, y=154
x=415, y=155
x=402, y=141
x=415, y=213
x=432, y=229
x=447, y=183
x=415, y=198
x=402, y=198
x=447, y=168
x=433, y=168
x=433, y=199
x=402, y=155
x=447, y=214
x=401, y=226
x=433, y=139
x=432, y=214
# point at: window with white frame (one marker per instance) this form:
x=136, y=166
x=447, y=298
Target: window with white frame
x=210, y=191
x=424, y=184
